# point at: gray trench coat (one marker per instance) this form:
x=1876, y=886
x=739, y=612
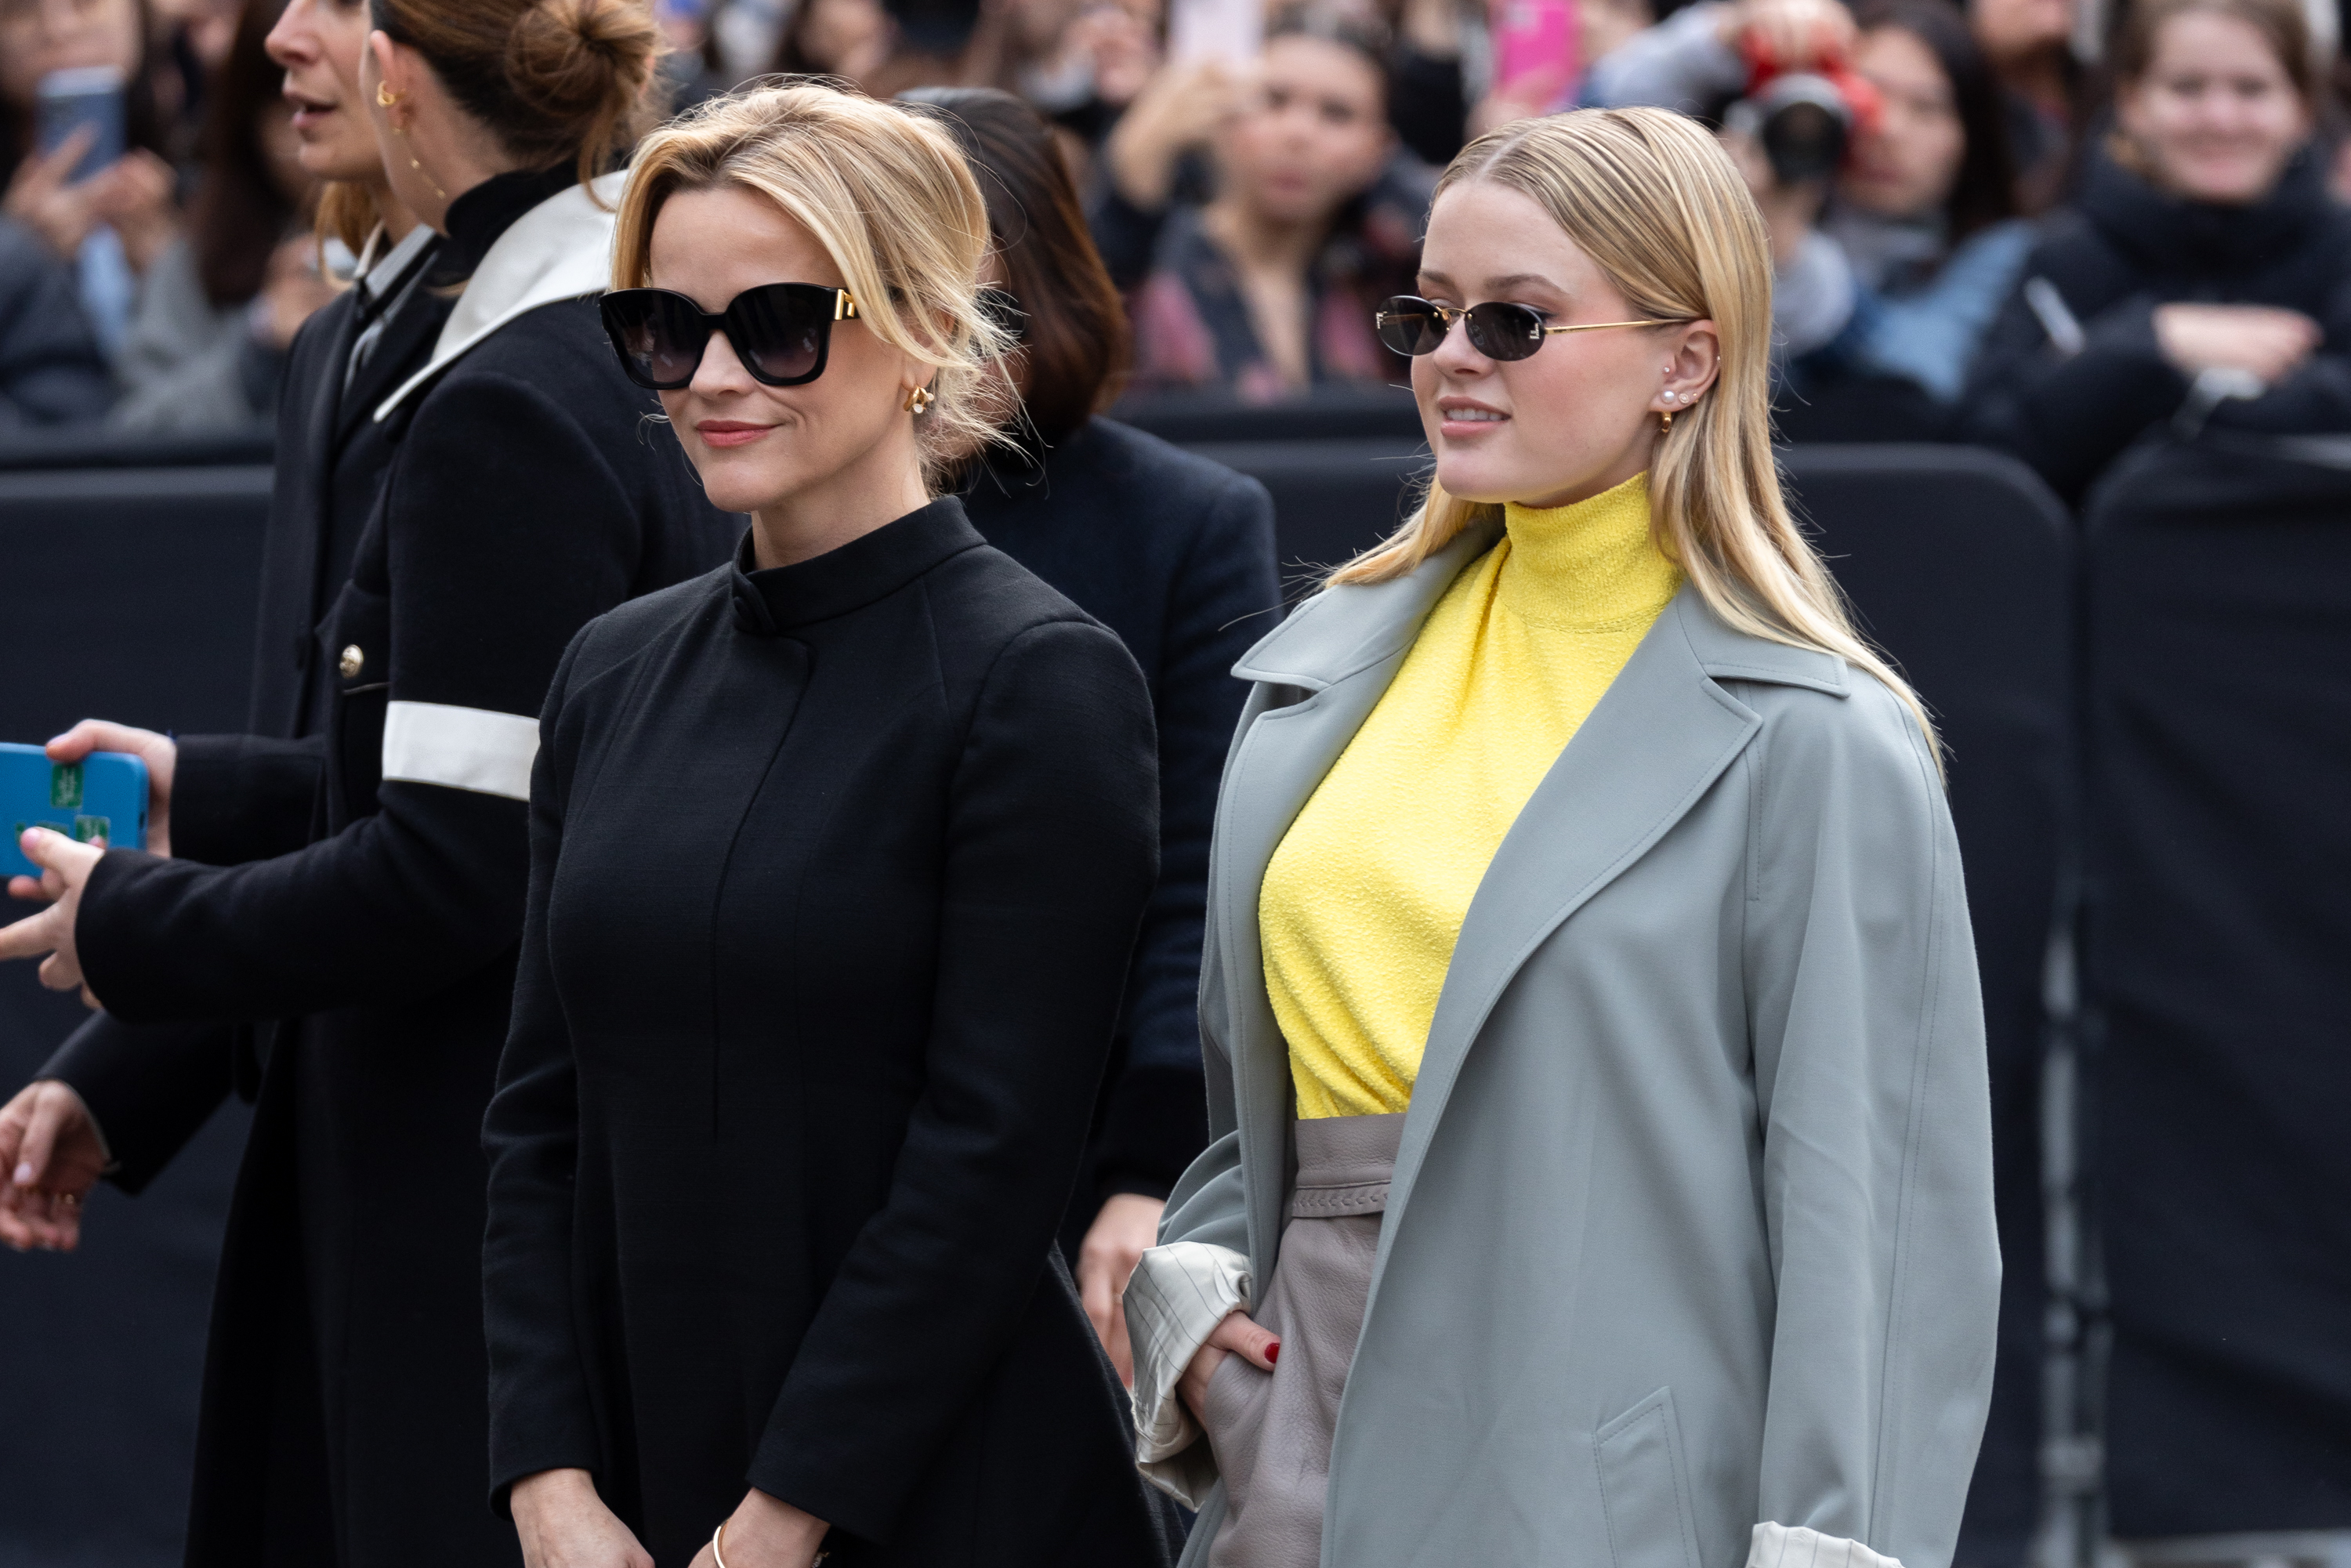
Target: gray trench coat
x=1691, y=1229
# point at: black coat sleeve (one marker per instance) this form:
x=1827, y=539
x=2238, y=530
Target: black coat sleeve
x=1050, y=853
x=150, y=1090
x=1223, y=599
x=2315, y=399
x=2070, y=415
x=1427, y=106
x=542, y=1414
x=239, y=797
x=498, y=550
x=1125, y=234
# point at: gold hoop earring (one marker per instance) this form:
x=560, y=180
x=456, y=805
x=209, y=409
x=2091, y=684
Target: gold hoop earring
x=385, y=98
x=918, y=401
x=1666, y=422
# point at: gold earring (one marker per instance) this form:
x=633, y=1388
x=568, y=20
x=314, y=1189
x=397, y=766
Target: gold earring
x=385, y=98
x=918, y=401
x=1665, y=425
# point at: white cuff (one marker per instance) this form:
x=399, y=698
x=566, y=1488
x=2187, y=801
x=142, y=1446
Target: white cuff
x=1177, y=1296
x=460, y=747
x=1779, y=1546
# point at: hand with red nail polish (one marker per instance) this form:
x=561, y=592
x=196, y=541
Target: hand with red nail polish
x=1237, y=1335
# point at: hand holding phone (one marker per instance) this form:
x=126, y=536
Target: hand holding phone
x=159, y=753
x=86, y=96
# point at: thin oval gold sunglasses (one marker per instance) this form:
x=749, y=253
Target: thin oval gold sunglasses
x=1413, y=326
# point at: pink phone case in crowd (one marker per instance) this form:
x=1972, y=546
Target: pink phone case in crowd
x=1534, y=50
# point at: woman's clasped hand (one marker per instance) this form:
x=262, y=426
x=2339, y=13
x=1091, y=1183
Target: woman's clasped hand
x=563, y=1523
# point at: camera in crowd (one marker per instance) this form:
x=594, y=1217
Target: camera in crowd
x=1804, y=119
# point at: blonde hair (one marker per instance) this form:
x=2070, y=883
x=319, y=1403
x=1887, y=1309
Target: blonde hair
x=1656, y=204
x=889, y=196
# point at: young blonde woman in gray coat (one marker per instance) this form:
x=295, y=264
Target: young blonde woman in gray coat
x=1601, y=1170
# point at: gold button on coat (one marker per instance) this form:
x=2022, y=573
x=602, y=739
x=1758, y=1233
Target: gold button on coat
x=354, y=658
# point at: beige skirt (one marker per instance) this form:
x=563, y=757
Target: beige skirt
x=1272, y=1431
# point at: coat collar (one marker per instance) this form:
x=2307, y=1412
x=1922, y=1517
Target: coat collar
x=772, y=602
x=1665, y=731
x=560, y=250
x=1343, y=630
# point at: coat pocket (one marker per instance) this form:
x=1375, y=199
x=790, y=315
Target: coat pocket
x=355, y=640
x=1644, y=1486
x=1232, y=1416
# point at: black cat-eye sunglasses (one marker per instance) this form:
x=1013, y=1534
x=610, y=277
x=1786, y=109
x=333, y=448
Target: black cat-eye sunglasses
x=780, y=331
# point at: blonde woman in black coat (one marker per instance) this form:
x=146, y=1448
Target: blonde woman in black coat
x=373, y=909
x=838, y=855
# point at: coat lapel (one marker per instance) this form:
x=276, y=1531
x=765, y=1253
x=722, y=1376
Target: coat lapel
x=1341, y=649
x=1658, y=739
x=399, y=353
x=298, y=521
x=560, y=249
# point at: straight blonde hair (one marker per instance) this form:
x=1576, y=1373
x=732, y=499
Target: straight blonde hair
x=889, y=196
x=1657, y=205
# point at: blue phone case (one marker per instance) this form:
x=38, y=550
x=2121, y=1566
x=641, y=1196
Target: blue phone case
x=104, y=796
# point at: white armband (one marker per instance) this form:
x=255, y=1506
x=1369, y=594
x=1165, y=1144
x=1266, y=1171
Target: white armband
x=461, y=748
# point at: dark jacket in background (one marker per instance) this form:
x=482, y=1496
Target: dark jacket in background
x=836, y=870
x=1428, y=105
x=2121, y=250
x=51, y=371
x=1176, y=554
x=344, y=1419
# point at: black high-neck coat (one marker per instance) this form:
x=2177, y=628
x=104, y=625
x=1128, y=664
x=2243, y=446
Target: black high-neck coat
x=835, y=871
x=2125, y=248
x=342, y=946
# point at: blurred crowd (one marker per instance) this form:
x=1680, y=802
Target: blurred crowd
x=2047, y=226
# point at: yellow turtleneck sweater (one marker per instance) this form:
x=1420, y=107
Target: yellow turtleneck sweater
x=1364, y=897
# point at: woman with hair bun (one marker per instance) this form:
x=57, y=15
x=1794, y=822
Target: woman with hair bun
x=838, y=855
x=354, y=898
x=1595, y=1052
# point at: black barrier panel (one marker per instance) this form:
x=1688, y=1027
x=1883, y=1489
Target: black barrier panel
x=129, y=595
x=1331, y=499
x=99, y=448
x=1957, y=563
x=2219, y=836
